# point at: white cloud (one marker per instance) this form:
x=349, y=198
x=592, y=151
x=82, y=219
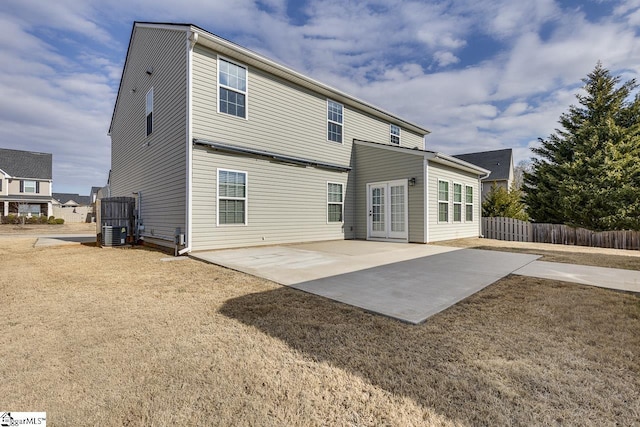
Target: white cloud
x=60, y=64
x=445, y=58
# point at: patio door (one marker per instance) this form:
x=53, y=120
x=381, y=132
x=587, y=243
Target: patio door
x=387, y=210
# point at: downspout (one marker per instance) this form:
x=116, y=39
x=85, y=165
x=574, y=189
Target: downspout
x=192, y=39
x=480, y=178
x=426, y=200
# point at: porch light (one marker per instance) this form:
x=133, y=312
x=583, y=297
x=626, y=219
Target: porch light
x=412, y=181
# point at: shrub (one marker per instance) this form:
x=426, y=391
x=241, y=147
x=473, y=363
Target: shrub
x=59, y=220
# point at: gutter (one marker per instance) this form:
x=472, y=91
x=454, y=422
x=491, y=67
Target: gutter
x=283, y=158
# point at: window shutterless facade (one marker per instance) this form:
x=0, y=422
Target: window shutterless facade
x=457, y=202
x=335, y=202
x=149, y=112
x=232, y=88
x=443, y=201
x=335, y=121
x=232, y=197
x=395, y=134
x=468, y=203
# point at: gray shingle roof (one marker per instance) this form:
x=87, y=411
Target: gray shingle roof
x=26, y=164
x=497, y=161
x=65, y=197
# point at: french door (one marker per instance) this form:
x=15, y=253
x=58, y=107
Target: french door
x=387, y=210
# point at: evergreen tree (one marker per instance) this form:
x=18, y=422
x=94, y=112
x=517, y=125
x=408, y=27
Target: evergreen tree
x=502, y=203
x=588, y=171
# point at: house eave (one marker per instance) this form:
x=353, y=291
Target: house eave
x=254, y=59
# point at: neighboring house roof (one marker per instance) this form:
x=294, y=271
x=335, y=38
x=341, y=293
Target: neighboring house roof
x=26, y=164
x=499, y=162
x=256, y=60
x=72, y=199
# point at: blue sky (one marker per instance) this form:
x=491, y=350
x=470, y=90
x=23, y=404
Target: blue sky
x=480, y=74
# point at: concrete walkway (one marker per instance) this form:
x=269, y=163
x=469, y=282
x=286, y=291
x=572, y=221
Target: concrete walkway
x=404, y=281
x=612, y=278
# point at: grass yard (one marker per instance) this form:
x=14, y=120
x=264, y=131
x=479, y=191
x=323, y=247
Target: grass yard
x=118, y=336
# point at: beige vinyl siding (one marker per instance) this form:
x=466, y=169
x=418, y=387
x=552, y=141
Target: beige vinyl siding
x=154, y=165
x=285, y=203
x=377, y=164
x=13, y=187
x=281, y=117
x=486, y=186
x=451, y=230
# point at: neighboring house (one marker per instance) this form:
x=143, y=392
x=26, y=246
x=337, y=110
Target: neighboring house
x=232, y=149
x=499, y=162
x=25, y=182
x=72, y=207
x=71, y=200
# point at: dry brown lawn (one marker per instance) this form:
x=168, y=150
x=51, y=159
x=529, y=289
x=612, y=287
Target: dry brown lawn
x=598, y=257
x=118, y=336
x=70, y=228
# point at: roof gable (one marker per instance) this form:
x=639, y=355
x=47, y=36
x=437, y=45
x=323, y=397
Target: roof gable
x=26, y=164
x=499, y=162
x=226, y=47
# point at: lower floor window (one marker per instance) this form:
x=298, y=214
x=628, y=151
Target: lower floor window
x=469, y=203
x=335, y=202
x=232, y=197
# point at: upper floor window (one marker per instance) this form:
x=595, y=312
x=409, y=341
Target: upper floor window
x=395, y=134
x=334, y=121
x=149, y=112
x=29, y=186
x=232, y=88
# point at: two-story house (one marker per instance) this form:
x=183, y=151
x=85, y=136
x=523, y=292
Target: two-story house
x=234, y=149
x=25, y=182
x=499, y=162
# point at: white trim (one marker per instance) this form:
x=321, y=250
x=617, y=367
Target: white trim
x=387, y=210
x=245, y=198
x=448, y=201
x=398, y=135
x=341, y=124
x=467, y=204
x=335, y=203
x=440, y=158
x=454, y=203
x=219, y=44
x=426, y=200
x=148, y=111
x=191, y=39
x=245, y=92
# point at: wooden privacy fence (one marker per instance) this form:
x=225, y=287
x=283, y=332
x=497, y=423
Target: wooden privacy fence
x=522, y=231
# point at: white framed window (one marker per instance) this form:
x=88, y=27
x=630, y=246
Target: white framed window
x=28, y=186
x=232, y=197
x=232, y=88
x=395, y=134
x=443, y=201
x=335, y=121
x=149, y=112
x=335, y=202
x=468, y=203
x=457, y=202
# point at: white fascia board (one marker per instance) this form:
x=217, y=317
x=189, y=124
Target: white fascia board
x=456, y=163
